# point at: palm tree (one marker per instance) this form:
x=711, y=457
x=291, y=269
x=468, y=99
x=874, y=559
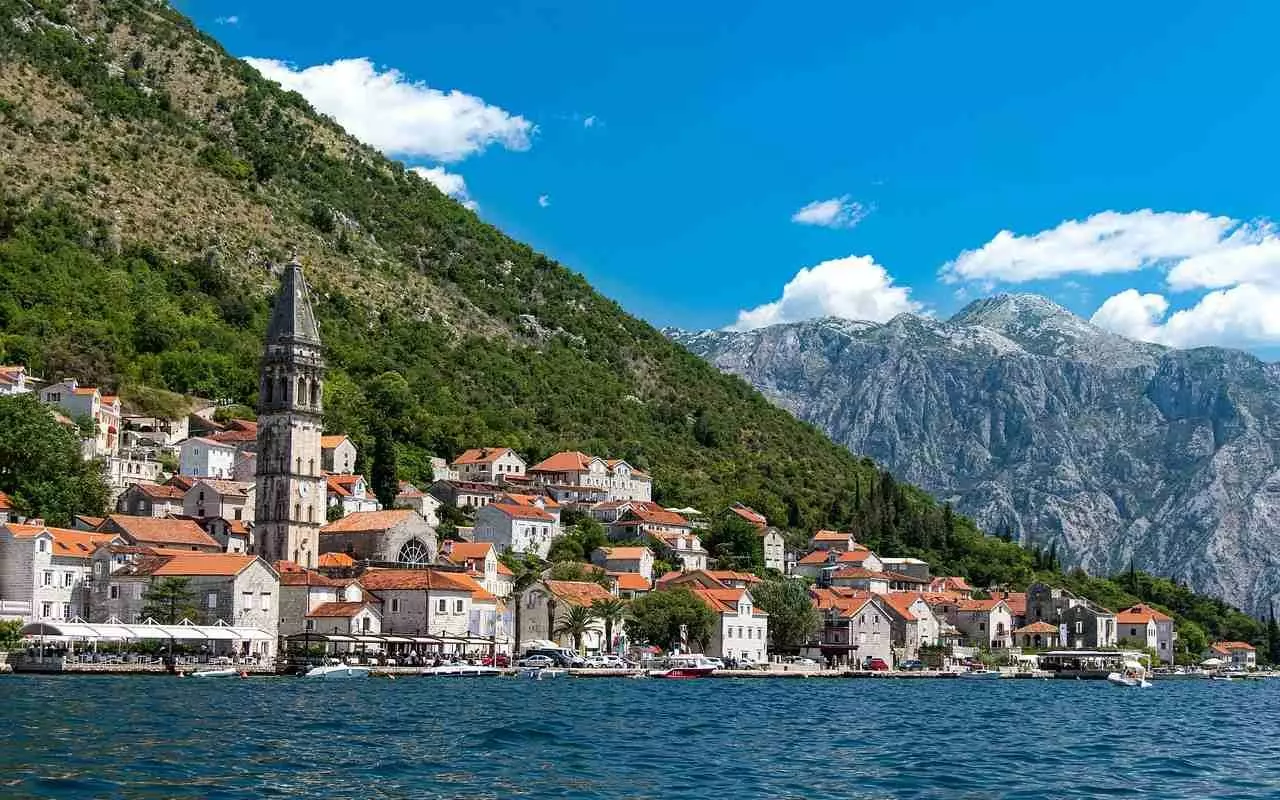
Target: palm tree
x=610, y=611
x=575, y=622
x=526, y=571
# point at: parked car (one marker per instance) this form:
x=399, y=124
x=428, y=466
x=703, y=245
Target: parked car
x=875, y=664
x=503, y=660
x=912, y=665
x=537, y=661
x=802, y=661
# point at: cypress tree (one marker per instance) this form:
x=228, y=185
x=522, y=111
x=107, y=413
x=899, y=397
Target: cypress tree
x=1273, y=636
x=384, y=476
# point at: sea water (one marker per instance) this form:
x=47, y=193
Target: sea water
x=160, y=737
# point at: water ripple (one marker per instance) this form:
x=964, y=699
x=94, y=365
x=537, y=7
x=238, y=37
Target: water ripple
x=482, y=739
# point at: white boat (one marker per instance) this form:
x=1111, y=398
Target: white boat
x=216, y=673
x=1131, y=681
x=980, y=674
x=1219, y=677
x=543, y=673
x=338, y=672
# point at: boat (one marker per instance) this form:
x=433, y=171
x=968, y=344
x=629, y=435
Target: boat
x=694, y=665
x=338, y=672
x=1220, y=677
x=978, y=674
x=1131, y=680
x=217, y=673
x=543, y=673
x=462, y=670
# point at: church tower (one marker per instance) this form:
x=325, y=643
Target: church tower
x=290, y=486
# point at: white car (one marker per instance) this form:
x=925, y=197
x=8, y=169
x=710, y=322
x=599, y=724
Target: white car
x=536, y=661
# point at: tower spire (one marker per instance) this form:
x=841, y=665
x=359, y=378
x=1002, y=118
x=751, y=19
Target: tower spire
x=292, y=320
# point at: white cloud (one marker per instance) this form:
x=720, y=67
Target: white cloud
x=1108, y=242
x=544, y=200
x=854, y=287
x=231, y=20
x=838, y=212
x=590, y=121
x=1240, y=316
x=400, y=116
x=451, y=183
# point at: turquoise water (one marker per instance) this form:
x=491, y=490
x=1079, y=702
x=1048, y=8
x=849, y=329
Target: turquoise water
x=158, y=737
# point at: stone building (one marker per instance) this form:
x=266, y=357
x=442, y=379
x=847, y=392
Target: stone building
x=290, y=507
x=399, y=536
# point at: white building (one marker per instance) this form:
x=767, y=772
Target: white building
x=351, y=493
x=426, y=602
x=44, y=570
x=80, y=402
x=150, y=500
x=488, y=465
x=517, y=527
x=15, y=380
x=427, y=506
x=638, y=560
x=338, y=454
x=205, y=458
x=775, y=549
x=213, y=497
x=572, y=468
x=743, y=631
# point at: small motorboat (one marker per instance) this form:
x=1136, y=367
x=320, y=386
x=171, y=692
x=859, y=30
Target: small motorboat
x=217, y=673
x=1131, y=680
x=1220, y=678
x=980, y=674
x=693, y=665
x=462, y=670
x=338, y=672
x=543, y=673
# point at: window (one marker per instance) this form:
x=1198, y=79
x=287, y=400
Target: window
x=264, y=601
x=211, y=600
x=1079, y=627
x=99, y=568
x=113, y=592
x=457, y=606
x=46, y=610
x=440, y=605
x=982, y=626
x=67, y=579
x=311, y=625
x=414, y=551
x=1133, y=631
x=48, y=577
x=395, y=604
x=238, y=512
x=43, y=546
x=246, y=601
x=66, y=611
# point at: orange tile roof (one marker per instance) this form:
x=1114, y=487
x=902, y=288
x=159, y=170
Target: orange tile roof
x=816, y=557
x=369, y=521
x=482, y=455
x=162, y=531
x=345, y=485
x=625, y=553
x=92, y=522
x=67, y=542
x=900, y=603
x=466, y=551
x=342, y=610
x=1140, y=614
x=1038, y=627
x=218, y=564
x=522, y=512
x=530, y=500
x=631, y=581
x=226, y=487
x=723, y=575
x=721, y=601
x=503, y=569
x=749, y=514
x=234, y=436
x=335, y=560
x=859, y=573
x=1016, y=601
x=965, y=604
x=857, y=555
x=5, y=502
x=407, y=489
x=1230, y=646
x=653, y=514
x=578, y=593
x=841, y=600
x=565, y=461
x=830, y=536
x=330, y=442
x=292, y=574
x=435, y=580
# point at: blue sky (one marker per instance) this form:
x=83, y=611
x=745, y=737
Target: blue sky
x=925, y=128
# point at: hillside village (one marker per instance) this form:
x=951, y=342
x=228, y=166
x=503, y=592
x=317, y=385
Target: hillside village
x=265, y=524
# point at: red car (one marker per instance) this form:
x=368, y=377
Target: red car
x=503, y=660
x=877, y=665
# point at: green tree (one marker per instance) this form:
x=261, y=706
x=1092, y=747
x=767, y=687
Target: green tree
x=735, y=544
x=575, y=622
x=609, y=611
x=41, y=468
x=384, y=477
x=669, y=618
x=578, y=571
x=1273, y=636
x=526, y=572
x=566, y=548
x=169, y=601
x=10, y=634
x=792, y=615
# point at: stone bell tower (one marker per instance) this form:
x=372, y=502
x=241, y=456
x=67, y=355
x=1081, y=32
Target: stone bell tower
x=290, y=485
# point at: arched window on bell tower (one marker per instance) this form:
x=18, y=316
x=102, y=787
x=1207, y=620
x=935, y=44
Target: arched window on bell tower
x=301, y=397
x=315, y=394
x=266, y=391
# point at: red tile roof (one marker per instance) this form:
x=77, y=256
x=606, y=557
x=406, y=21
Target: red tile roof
x=1038, y=627
x=1140, y=614
x=458, y=552
x=814, y=558
x=160, y=491
x=578, y=593
x=965, y=604
x=565, y=461
x=625, y=553
x=483, y=455
x=335, y=560
x=901, y=604
x=5, y=502
x=345, y=485
x=1232, y=646
x=226, y=487
x=749, y=514
x=216, y=564
x=653, y=514
x=631, y=581
x=390, y=579
x=161, y=531
x=330, y=442
x=530, y=500
x=369, y=521
x=724, y=575
x=522, y=512
x=830, y=536
x=67, y=542
x=292, y=574
x=342, y=610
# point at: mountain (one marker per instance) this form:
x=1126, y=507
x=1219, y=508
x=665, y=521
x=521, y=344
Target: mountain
x=1034, y=421
x=150, y=182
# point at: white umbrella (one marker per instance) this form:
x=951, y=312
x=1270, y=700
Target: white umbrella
x=1211, y=662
